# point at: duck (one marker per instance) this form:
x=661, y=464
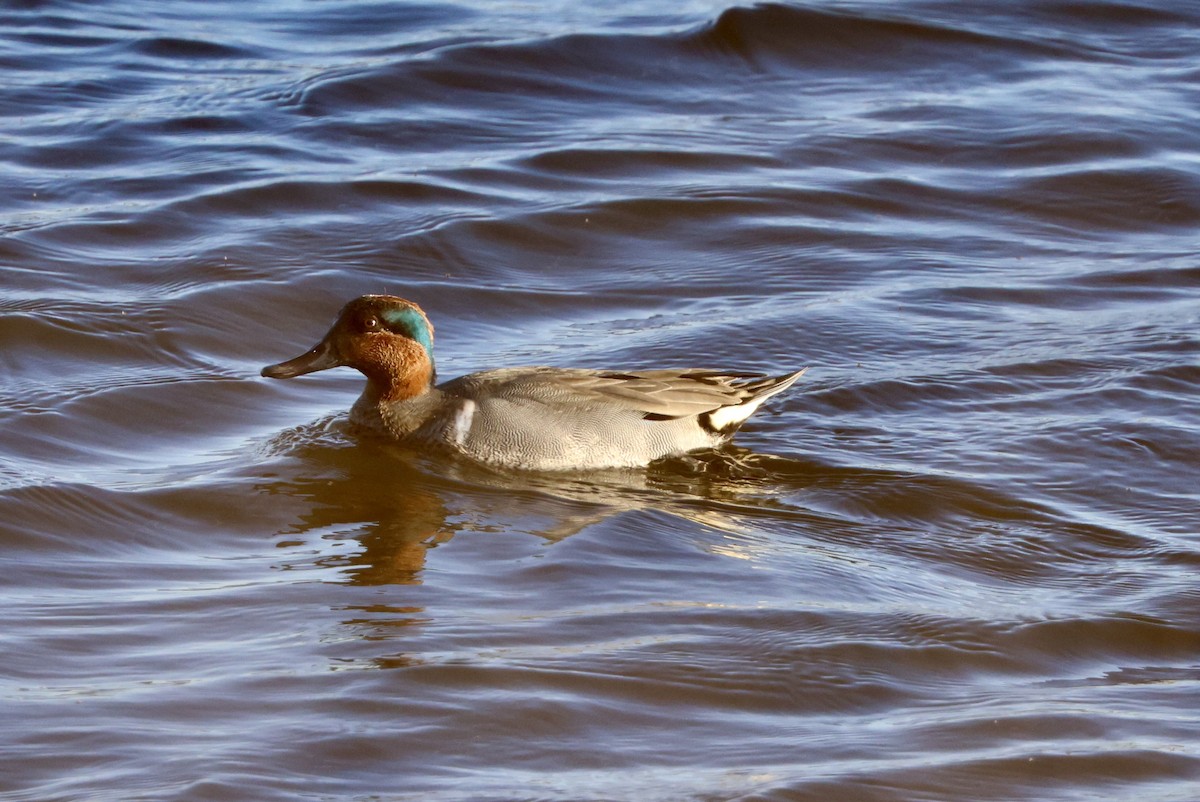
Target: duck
x=531, y=418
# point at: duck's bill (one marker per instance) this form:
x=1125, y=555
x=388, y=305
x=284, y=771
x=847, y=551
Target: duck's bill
x=321, y=357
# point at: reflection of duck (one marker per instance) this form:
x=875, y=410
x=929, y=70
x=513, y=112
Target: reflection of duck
x=392, y=505
x=371, y=512
x=394, y=511
x=537, y=418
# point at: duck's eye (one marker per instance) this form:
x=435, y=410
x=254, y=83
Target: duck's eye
x=371, y=323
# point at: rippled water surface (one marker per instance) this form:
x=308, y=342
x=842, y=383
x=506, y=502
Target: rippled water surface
x=957, y=561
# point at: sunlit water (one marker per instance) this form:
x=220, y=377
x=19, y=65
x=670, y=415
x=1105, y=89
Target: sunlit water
x=958, y=561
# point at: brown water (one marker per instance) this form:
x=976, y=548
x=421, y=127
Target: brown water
x=958, y=561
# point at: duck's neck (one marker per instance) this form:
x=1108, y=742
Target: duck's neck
x=398, y=405
x=394, y=387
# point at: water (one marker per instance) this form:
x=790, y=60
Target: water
x=958, y=561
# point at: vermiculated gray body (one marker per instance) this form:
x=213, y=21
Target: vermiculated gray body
x=558, y=419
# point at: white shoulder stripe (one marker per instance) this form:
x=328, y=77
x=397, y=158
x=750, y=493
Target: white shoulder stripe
x=462, y=421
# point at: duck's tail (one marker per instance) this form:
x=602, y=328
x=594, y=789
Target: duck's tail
x=728, y=419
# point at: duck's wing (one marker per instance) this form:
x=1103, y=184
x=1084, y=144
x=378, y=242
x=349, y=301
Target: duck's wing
x=676, y=393
x=726, y=399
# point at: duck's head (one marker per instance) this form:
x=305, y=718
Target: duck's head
x=388, y=339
